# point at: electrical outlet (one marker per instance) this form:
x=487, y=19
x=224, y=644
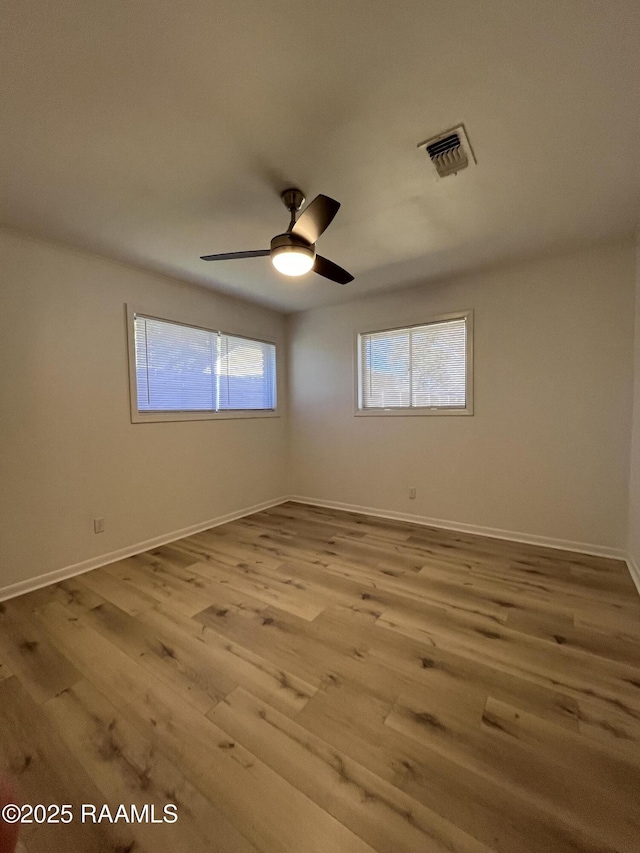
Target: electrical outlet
x=412, y=493
x=98, y=525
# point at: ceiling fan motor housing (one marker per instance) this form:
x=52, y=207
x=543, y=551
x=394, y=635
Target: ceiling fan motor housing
x=292, y=243
x=293, y=198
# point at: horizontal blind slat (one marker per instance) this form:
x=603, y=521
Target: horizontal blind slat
x=385, y=360
x=439, y=364
x=246, y=371
x=180, y=370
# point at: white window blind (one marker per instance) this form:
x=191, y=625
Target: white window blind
x=187, y=369
x=417, y=367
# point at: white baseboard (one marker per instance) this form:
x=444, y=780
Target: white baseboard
x=492, y=532
x=634, y=571
x=22, y=587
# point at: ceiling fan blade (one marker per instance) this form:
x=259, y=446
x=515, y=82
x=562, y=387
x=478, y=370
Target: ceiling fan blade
x=331, y=271
x=316, y=218
x=230, y=256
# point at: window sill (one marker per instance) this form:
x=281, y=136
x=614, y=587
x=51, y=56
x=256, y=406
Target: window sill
x=172, y=417
x=422, y=412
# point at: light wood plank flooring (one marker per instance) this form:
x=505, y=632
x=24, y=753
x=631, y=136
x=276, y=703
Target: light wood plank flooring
x=313, y=681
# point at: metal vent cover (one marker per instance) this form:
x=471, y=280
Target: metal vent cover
x=449, y=151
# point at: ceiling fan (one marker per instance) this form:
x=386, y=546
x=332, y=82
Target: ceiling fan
x=294, y=252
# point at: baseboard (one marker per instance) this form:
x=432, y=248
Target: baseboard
x=634, y=571
x=493, y=533
x=22, y=587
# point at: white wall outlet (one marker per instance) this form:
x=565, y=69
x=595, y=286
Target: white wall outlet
x=98, y=525
x=412, y=493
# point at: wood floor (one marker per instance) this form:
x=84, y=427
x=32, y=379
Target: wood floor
x=312, y=681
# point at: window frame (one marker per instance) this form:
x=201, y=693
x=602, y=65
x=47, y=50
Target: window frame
x=418, y=411
x=138, y=417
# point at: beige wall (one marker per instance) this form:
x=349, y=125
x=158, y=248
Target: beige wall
x=634, y=485
x=547, y=451
x=68, y=450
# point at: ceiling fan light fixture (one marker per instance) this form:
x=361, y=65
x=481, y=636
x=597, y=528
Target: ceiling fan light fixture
x=292, y=260
x=292, y=256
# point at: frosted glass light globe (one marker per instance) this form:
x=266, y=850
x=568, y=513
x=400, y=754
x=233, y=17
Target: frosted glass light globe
x=292, y=260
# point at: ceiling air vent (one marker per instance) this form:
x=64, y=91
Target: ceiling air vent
x=450, y=152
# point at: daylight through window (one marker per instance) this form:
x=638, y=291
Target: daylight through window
x=182, y=368
x=423, y=367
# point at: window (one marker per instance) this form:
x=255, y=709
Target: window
x=423, y=369
x=182, y=372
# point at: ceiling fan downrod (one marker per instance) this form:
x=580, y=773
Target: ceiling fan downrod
x=293, y=199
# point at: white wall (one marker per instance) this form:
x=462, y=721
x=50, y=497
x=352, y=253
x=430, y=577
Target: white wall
x=634, y=485
x=68, y=450
x=547, y=451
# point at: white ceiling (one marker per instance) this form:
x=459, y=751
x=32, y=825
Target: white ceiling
x=156, y=131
